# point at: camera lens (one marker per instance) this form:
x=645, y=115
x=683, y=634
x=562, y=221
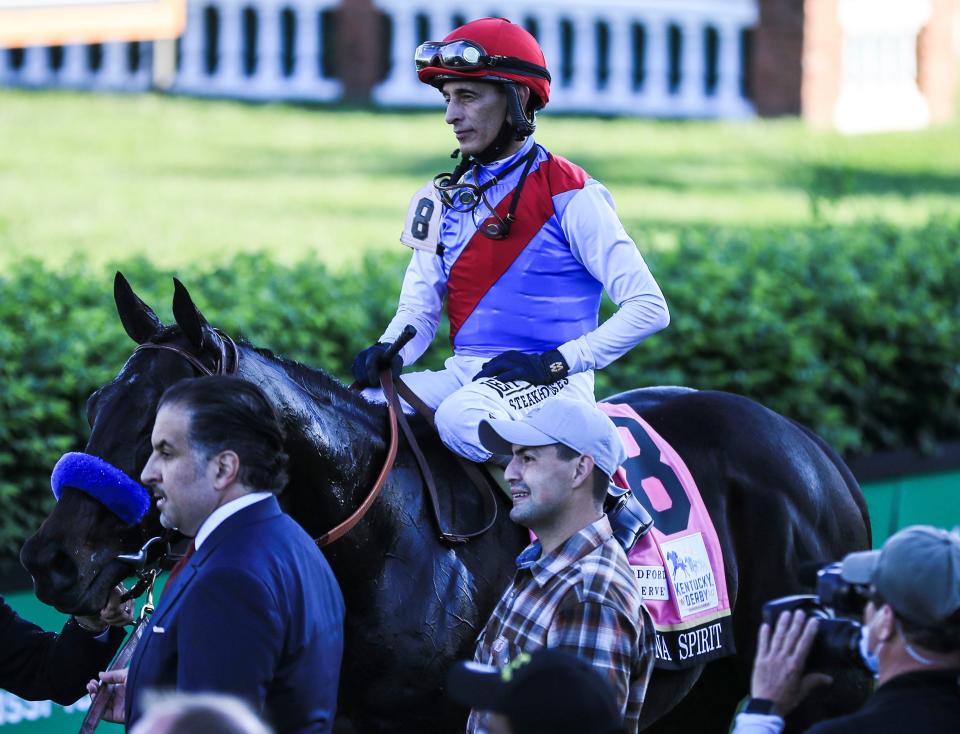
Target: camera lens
x=837, y=645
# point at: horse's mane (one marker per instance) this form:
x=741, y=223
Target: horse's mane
x=312, y=380
x=318, y=382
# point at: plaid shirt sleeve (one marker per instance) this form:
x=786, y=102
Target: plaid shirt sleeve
x=605, y=637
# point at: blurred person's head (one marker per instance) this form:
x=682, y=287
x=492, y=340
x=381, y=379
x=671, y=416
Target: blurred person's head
x=494, y=77
x=198, y=713
x=547, y=691
x=913, y=617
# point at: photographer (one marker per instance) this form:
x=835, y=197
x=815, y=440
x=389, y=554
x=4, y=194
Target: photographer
x=911, y=642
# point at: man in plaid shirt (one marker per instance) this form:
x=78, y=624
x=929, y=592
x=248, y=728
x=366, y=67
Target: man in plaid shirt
x=574, y=588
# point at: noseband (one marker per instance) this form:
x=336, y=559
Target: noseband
x=227, y=361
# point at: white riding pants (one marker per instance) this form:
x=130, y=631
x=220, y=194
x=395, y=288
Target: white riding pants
x=460, y=403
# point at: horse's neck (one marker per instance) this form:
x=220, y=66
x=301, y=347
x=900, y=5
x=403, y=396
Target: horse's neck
x=315, y=409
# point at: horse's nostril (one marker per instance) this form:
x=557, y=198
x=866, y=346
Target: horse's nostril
x=63, y=569
x=51, y=567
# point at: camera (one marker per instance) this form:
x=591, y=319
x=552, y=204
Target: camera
x=838, y=605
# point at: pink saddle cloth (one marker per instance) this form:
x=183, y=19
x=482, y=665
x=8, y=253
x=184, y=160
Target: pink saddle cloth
x=679, y=563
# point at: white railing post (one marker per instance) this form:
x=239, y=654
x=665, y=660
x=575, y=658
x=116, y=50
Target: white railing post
x=655, y=87
x=36, y=69
x=619, y=89
x=229, y=74
x=6, y=73
x=306, y=49
x=728, y=68
x=266, y=81
x=691, y=97
x=583, y=90
x=113, y=71
x=549, y=31
x=401, y=85
x=192, y=76
x=74, y=73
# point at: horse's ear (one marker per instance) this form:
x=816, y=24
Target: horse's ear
x=138, y=319
x=188, y=316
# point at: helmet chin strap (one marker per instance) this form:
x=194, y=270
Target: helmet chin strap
x=523, y=126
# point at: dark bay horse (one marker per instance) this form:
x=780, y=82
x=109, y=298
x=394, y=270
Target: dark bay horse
x=779, y=497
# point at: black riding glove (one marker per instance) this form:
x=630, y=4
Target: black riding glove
x=537, y=369
x=367, y=365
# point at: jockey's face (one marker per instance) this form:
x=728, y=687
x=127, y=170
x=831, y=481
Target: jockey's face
x=181, y=480
x=477, y=111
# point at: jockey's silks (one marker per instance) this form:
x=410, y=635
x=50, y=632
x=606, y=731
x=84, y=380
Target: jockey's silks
x=526, y=292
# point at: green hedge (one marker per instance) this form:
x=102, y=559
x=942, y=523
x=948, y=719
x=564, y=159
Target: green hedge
x=853, y=331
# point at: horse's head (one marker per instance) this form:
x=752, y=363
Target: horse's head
x=73, y=557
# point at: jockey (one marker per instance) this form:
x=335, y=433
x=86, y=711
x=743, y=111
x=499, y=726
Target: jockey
x=520, y=243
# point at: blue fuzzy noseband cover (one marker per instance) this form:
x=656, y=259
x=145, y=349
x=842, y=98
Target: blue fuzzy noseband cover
x=126, y=498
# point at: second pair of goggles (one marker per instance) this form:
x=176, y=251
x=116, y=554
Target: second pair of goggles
x=463, y=55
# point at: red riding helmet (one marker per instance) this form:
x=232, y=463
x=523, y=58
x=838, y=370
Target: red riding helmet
x=491, y=49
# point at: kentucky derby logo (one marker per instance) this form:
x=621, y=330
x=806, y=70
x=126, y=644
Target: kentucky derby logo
x=691, y=575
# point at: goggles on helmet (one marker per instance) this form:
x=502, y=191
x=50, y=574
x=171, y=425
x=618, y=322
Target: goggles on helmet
x=463, y=55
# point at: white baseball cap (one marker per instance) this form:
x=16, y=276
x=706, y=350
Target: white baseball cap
x=581, y=426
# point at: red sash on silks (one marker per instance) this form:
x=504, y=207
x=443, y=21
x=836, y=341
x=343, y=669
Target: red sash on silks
x=679, y=563
x=484, y=260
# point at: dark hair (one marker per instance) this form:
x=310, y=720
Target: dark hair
x=601, y=482
x=228, y=413
x=944, y=639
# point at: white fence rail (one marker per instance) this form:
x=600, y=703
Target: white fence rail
x=244, y=49
x=677, y=58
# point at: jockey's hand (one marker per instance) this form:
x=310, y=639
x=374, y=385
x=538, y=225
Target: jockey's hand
x=537, y=369
x=367, y=365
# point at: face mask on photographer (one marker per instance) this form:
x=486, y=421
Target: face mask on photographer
x=870, y=659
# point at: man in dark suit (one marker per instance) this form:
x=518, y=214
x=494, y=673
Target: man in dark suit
x=256, y=611
x=38, y=665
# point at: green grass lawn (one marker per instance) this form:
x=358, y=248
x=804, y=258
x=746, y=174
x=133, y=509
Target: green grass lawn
x=97, y=178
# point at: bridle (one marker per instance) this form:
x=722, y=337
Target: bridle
x=226, y=363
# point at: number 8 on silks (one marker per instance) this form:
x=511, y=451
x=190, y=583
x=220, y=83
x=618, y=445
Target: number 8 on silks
x=421, y=228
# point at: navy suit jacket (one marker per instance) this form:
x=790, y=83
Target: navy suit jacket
x=256, y=612
x=38, y=665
